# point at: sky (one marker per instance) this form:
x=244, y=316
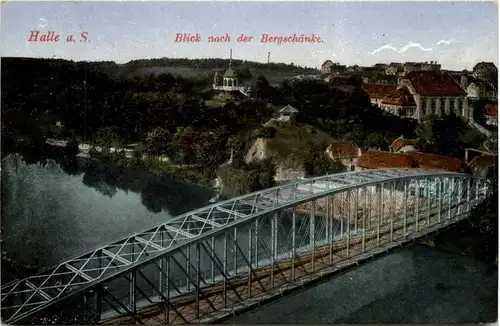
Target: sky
x=455, y=34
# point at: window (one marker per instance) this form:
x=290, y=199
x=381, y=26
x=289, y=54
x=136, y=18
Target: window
x=433, y=106
x=456, y=107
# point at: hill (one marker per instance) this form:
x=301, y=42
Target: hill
x=275, y=73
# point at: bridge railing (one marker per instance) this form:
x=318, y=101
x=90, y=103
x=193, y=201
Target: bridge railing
x=266, y=245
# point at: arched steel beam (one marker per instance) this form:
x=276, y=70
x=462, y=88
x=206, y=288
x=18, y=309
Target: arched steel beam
x=214, y=218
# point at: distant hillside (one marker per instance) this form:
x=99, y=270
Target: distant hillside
x=275, y=73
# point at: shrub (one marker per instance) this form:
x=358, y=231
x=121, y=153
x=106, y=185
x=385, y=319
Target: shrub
x=266, y=132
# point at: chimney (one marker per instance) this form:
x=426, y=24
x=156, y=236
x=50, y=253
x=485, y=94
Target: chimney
x=268, y=57
x=463, y=81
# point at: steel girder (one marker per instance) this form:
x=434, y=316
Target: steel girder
x=172, y=245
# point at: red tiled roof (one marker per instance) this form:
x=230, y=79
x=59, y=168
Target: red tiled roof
x=399, y=143
x=379, y=90
x=434, y=83
x=343, y=150
x=433, y=161
x=400, y=97
x=378, y=160
x=491, y=110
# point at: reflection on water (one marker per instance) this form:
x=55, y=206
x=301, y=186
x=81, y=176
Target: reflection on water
x=53, y=212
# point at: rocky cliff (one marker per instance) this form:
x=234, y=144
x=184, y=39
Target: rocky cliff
x=289, y=148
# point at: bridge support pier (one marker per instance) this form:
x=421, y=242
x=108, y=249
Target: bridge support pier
x=439, y=191
x=365, y=211
x=459, y=195
x=131, y=299
x=417, y=206
x=405, y=209
x=330, y=217
x=348, y=224
x=312, y=234
x=451, y=189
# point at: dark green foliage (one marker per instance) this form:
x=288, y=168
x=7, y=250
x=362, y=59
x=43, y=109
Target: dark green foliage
x=156, y=143
x=447, y=136
x=72, y=147
x=266, y=132
x=247, y=178
x=484, y=221
x=318, y=163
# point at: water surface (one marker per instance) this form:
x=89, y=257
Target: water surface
x=51, y=213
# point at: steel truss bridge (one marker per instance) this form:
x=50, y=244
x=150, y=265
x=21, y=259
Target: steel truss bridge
x=209, y=263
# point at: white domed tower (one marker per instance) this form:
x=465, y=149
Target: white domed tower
x=230, y=77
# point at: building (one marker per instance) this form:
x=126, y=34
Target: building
x=430, y=66
x=287, y=113
x=353, y=69
x=380, y=67
x=400, y=102
x=378, y=92
x=401, y=145
x=328, y=67
x=435, y=92
x=394, y=68
x=379, y=160
x=481, y=90
x=230, y=81
x=485, y=71
x=491, y=114
x=437, y=162
x=344, y=151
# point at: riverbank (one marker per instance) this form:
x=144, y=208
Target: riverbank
x=128, y=157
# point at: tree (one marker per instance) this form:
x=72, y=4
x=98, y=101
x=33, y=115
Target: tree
x=107, y=137
x=182, y=144
x=484, y=220
x=72, y=147
x=318, y=164
x=442, y=136
x=266, y=132
x=262, y=87
x=377, y=140
x=156, y=143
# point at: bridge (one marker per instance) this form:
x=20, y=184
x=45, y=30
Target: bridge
x=207, y=264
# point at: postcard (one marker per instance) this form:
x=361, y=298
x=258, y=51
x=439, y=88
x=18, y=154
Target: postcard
x=249, y=162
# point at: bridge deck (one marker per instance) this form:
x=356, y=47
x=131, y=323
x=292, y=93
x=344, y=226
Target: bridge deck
x=246, y=290
x=308, y=228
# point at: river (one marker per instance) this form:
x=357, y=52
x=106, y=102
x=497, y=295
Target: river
x=414, y=285
x=51, y=213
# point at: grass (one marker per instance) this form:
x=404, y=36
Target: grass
x=218, y=100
